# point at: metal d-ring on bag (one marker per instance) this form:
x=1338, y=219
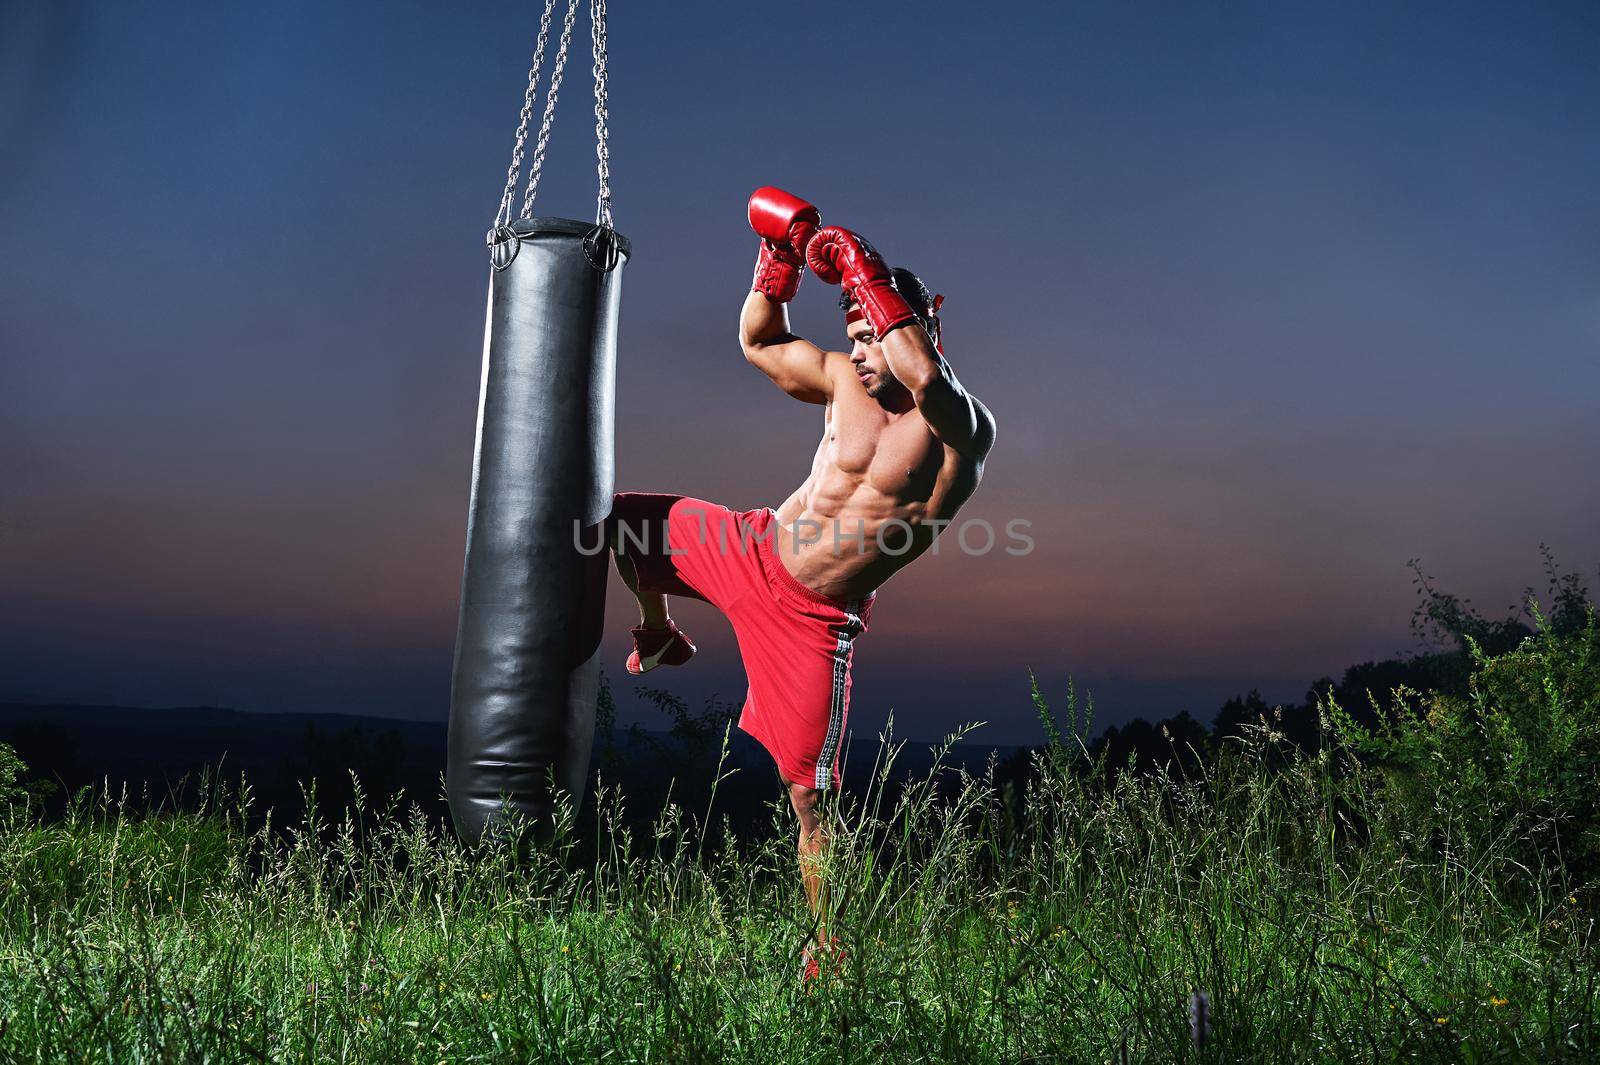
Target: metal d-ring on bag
x=527, y=667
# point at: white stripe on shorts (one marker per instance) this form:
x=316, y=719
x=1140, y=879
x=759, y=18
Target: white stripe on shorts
x=836, y=707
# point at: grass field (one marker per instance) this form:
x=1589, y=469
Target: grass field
x=1083, y=915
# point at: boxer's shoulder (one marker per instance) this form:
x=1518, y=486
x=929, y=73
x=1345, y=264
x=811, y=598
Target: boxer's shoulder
x=983, y=435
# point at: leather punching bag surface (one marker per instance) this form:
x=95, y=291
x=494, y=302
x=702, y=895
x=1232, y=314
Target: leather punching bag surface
x=527, y=667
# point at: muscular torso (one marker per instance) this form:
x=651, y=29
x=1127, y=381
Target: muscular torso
x=841, y=532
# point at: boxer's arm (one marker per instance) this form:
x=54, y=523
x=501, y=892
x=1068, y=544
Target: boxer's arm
x=955, y=416
x=795, y=364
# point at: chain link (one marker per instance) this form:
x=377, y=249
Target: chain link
x=597, y=19
x=549, y=110
x=514, y=171
x=602, y=150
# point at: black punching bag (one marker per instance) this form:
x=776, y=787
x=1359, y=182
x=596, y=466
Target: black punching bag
x=527, y=667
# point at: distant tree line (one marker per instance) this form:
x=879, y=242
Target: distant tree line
x=1451, y=635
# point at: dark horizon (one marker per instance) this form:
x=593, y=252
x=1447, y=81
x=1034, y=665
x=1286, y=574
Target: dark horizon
x=1265, y=302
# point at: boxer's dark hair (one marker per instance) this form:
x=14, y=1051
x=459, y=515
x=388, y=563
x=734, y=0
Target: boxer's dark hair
x=916, y=293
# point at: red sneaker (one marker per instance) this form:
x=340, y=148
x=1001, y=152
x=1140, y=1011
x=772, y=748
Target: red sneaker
x=813, y=957
x=659, y=647
x=810, y=969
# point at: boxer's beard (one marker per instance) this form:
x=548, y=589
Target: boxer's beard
x=881, y=384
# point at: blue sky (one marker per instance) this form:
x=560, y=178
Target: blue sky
x=1267, y=300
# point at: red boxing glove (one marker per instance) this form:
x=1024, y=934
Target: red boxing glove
x=785, y=224
x=844, y=258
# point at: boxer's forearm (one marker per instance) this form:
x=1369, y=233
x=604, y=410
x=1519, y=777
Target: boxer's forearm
x=957, y=419
x=795, y=365
x=763, y=321
x=913, y=359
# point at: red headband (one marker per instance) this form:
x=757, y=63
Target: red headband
x=856, y=314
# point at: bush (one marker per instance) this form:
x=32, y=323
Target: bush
x=15, y=791
x=1517, y=757
x=12, y=769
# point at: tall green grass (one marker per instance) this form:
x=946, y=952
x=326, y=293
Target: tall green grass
x=1074, y=915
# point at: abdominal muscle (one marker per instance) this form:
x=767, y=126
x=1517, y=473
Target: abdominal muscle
x=843, y=548
x=844, y=533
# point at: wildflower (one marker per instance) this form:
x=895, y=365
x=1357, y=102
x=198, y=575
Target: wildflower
x=487, y=996
x=1572, y=900
x=563, y=950
x=1441, y=1020
x=1496, y=1001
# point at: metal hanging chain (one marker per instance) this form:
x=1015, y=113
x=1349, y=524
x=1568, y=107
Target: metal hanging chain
x=549, y=110
x=500, y=236
x=602, y=151
x=514, y=171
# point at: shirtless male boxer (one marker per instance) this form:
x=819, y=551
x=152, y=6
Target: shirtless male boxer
x=903, y=447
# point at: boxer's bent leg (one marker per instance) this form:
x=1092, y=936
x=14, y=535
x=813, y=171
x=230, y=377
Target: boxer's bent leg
x=636, y=531
x=665, y=545
x=653, y=612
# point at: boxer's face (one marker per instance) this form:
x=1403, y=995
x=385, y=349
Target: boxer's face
x=866, y=355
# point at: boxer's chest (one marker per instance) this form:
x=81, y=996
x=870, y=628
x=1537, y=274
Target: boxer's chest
x=897, y=454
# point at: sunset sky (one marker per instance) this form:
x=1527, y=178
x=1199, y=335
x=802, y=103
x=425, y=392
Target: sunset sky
x=1266, y=302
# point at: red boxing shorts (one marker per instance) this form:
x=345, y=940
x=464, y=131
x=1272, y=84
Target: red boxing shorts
x=796, y=643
